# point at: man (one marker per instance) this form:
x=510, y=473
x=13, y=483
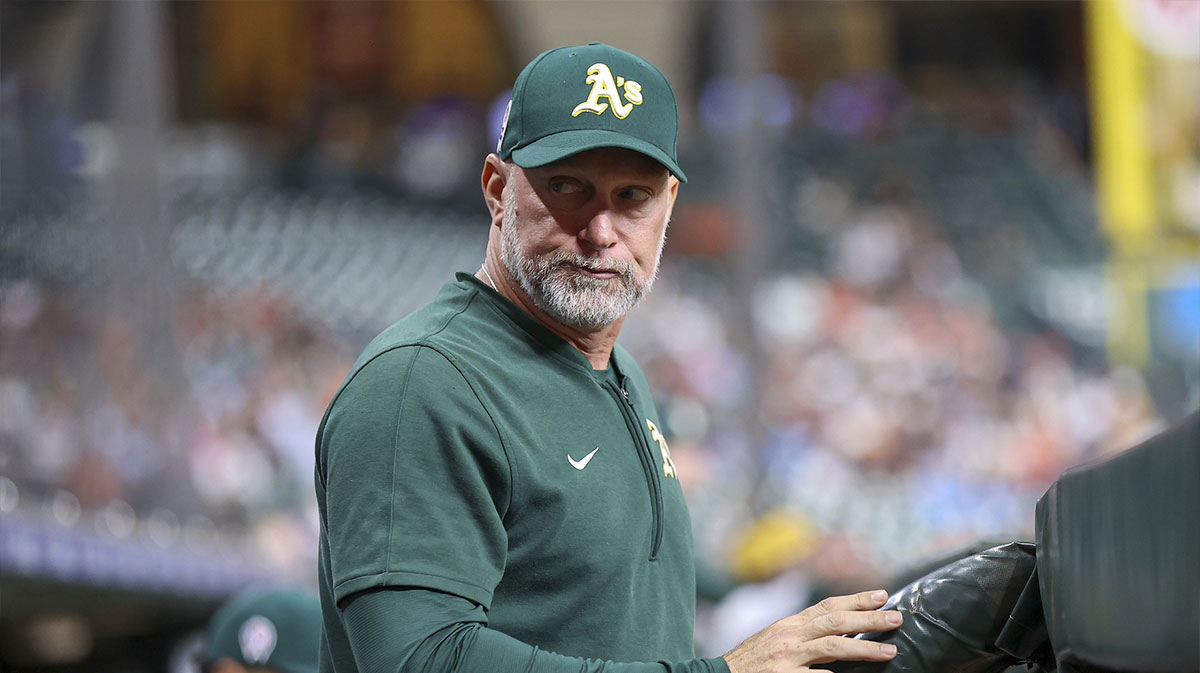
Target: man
x=274, y=630
x=494, y=489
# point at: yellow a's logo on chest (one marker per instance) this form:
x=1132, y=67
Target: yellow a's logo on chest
x=604, y=85
x=668, y=465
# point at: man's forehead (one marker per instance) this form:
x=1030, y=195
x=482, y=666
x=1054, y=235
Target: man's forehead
x=609, y=158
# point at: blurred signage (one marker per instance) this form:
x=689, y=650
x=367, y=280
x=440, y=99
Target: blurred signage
x=1168, y=28
x=35, y=548
x=1145, y=85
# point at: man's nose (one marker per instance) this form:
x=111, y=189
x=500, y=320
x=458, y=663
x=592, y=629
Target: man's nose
x=600, y=231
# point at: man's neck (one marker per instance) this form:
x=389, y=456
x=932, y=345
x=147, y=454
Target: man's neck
x=595, y=345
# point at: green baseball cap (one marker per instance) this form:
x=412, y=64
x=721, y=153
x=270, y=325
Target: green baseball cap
x=277, y=629
x=572, y=99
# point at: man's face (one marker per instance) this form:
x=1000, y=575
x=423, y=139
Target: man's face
x=583, y=236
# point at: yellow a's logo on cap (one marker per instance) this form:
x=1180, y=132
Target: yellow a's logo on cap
x=604, y=86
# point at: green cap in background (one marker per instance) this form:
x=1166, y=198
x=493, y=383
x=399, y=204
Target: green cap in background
x=572, y=99
x=277, y=629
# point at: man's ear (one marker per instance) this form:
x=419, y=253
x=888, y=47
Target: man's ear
x=493, y=181
x=672, y=192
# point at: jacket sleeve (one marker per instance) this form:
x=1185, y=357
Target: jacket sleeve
x=416, y=480
x=416, y=630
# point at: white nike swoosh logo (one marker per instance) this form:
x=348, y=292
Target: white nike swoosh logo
x=580, y=464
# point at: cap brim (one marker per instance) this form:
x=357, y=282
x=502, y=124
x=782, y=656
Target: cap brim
x=565, y=143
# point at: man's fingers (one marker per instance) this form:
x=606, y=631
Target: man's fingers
x=863, y=600
x=817, y=636
x=836, y=648
x=852, y=622
x=845, y=615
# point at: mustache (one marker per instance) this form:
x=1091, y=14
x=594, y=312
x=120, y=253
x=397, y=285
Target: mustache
x=561, y=258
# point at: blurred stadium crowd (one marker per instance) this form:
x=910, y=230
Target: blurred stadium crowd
x=882, y=368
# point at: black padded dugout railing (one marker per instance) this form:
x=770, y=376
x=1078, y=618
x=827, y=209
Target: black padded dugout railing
x=978, y=614
x=1119, y=558
x=1113, y=585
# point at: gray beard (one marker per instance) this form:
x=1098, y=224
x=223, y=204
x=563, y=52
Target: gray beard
x=571, y=298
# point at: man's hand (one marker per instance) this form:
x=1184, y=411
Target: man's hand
x=814, y=636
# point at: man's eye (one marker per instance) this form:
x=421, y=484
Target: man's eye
x=635, y=193
x=565, y=187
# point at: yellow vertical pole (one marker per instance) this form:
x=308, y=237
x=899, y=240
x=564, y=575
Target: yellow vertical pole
x=1124, y=174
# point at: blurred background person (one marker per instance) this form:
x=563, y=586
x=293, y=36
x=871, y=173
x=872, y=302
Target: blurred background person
x=276, y=630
